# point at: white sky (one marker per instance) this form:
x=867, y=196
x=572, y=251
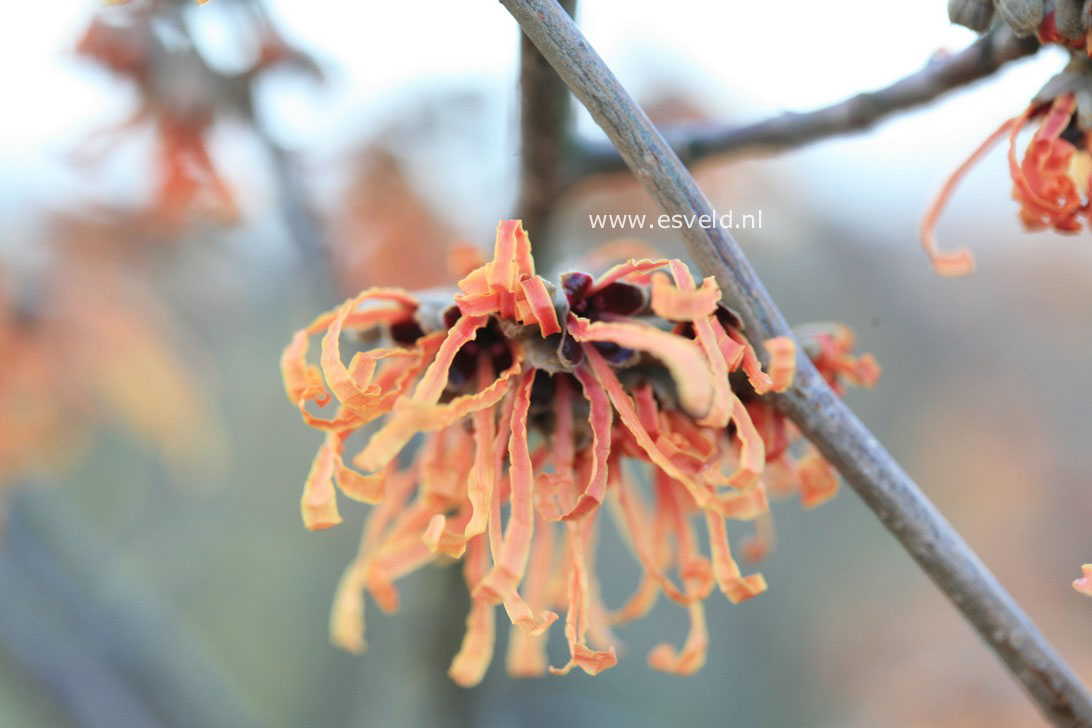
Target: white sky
x=746, y=59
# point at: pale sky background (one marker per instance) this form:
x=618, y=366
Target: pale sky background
x=744, y=60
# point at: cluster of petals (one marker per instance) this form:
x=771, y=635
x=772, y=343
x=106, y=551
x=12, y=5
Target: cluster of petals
x=73, y=342
x=178, y=98
x=496, y=426
x=1051, y=182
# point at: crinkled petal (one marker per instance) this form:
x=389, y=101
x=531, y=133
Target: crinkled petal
x=743, y=505
x=630, y=269
x=302, y=381
x=694, y=569
x=760, y=380
x=726, y=571
x=782, y=368
x=863, y=371
x=445, y=461
x=526, y=650
x=680, y=304
x=642, y=539
x=599, y=418
x=647, y=409
x=1056, y=121
x=411, y=416
x=347, y=612
x=359, y=487
x=483, y=473
x=752, y=448
x=818, y=479
x=959, y=262
x=502, y=270
x=542, y=305
x=355, y=392
x=479, y=304
x=691, y=657
x=511, y=560
x=445, y=535
x=435, y=378
x=319, y=502
x=476, y=652
x=524, y=619
x=682, y=357
x=705, y=331
x=758, y=545
x=576, y=619
x=628, y=414
x=554, y=492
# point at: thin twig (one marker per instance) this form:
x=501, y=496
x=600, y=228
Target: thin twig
x=817, y=411
x=693, y=143
x=300, y=221
x=545, y=109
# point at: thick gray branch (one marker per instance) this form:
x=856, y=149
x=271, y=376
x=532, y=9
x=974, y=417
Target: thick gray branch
x=693, y=143
x=545, y=109
x=819, y=413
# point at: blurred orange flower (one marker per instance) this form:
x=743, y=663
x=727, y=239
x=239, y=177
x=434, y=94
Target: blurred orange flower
x=542, y=397
x=181, y=97
x=85, y=346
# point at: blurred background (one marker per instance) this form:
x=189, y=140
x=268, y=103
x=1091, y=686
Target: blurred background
x=182, y=187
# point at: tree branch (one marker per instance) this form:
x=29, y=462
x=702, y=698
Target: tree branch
x=817, y=411
x=693, y=143
x=545, y=109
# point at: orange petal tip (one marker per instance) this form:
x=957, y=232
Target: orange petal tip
x=1084, y=584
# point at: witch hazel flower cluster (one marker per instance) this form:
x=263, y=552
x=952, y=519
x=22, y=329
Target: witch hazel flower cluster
x=498, y=424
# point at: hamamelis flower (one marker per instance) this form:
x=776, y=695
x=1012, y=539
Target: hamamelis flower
x=794, y=465
x=1051, y=182
x=532, y=404
x=1084, y=584
x=180, y=97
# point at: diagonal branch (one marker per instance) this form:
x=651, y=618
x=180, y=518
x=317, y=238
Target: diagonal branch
x=794, y=129
x=817, y=411
x=545, y=109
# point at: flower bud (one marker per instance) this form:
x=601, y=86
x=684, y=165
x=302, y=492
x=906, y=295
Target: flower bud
x=1023, y=16
x=973, y=14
